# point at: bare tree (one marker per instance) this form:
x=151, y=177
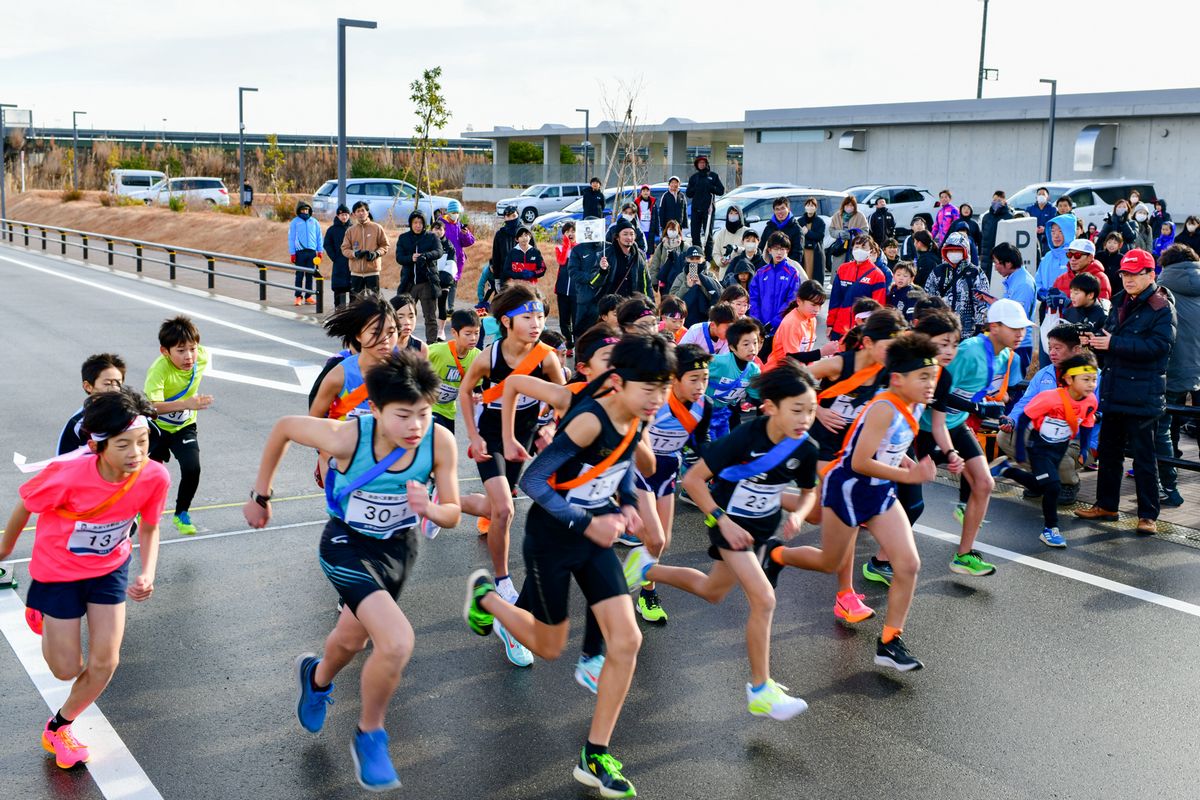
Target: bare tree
x=622, y=102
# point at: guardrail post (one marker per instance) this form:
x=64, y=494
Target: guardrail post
x=320, y=279
x=262, y=283
x=212, y=272
x=110, y=252
x=26, y=227
x=64, y=243
x=138, y=249
x=85, y=246
x=171, y=256
x=45, y=237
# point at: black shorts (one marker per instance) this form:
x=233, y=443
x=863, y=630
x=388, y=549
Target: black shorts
x=183, y=443
x=963, y=439
x=553, y=555
x=497, y=465
x=69, y=599
x=717, y=543
x=359, y=566
x=445, y=422
x=829, y=443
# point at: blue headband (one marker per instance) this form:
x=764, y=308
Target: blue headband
x=532, y=307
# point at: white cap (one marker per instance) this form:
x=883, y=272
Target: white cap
x=1082, y=246
x=1008, y=312
x=674, y=178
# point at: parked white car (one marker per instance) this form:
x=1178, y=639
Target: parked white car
x=386, y=197
x=542, y=198
x=903, y=200
x=130, y=181
x=192, y=190
x=757, y=207
x=1092, y=201
x=746, y=188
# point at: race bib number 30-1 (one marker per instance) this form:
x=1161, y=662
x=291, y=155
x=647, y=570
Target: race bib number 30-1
x=755, y=499
x=379, y=515
x=98, y=538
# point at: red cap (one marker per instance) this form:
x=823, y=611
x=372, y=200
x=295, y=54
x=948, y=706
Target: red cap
x=1136, y=261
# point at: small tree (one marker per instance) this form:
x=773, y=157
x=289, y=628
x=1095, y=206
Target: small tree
x=431, y=114
x=273, y=162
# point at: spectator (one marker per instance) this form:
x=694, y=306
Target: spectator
x=891, y=257
x=1018, y=286
x=417, y=252
x=1160, y=214
x=447, y=268
x=339, y=269
x=1059, y=233
x=1063, y=205
x=959, y=283
x=696, y=287
x=524, y=262
x=1120, y=221
x=781, y=220
x=927, y=258
x=1080, y=259
x=644, y=210
x=1181, y=276
x=593, y=200
x=747, y=262
x=563, y=287
x=364, y=245
x=1110, y=258
x=1166, y=237
x=1144, y=239
x=247, y=195
x=628, y=214
x=1190, y=234
x=946, y=216
x=1093, y=233
x=672, y=207
x=667, y=261
x=304, y=247
x=460, y=236
x=908, y=248
x=623, y=268
x=812, y=228
x=844, y=225
x=1043, y=212
x=1084, y=308
x=727, y=241
x=882, y=224
x=1136, y=344
x=775, y=283
x=703, y=188
x=503, y=241
x=966, y=216
x=961, y=225
x=988, y=226
x=583, y=266
x=858, y=277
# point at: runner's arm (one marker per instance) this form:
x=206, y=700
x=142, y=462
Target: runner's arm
x=578, y=434
x=553, y=368
x=479, y=369
x=695, y=483
x=446, y=513
x=141, y=587
x=863, y=459
x=327, y=392
x=16, y=524
x=801, y=503
x=643, y=455
x=553, y=394
x=335, y=438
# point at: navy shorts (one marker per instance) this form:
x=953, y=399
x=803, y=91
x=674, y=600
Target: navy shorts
x=853, y=498
x=553, y=556
x=359, y=566
x=69, y=599
x=662, y=481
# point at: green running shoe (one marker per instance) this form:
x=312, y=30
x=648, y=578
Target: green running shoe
x=603, y=772
x=183, y=524
x=636, y=563
x=479, y=585
x=960, y=510
x=878, y=571
x=971, y=564
x=650, y=607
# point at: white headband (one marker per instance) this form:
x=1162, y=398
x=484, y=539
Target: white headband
x=139, y=421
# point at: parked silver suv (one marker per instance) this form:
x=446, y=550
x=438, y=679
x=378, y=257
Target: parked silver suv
x=542, y=198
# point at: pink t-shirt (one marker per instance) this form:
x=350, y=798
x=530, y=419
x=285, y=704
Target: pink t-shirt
x=66, y=550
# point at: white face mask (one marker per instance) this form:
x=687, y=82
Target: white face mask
x=1191, y=228
x=1042, y=199
x=1142, y=216
x=751, y=249
x=733, y=217
x=954, y=257
x=627, y=217
x=860, y=254
x=810, y=210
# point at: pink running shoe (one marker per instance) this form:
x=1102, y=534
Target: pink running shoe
x=68, y=751
x=33, y=618
x=850, y=607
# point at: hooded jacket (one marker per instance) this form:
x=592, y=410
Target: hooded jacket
x=703, y=186
x=339, y=264
x=1182, y=279
x=1043, y=215
x=1164, y=240
x=460, y=238
x=964, y=226
x=727, y=241
x=957, y=285
x=1135, y=366
x=1054, y=263
x=1157, y=218
x=987, y=232
x=303, y=234
x=1144, y=238
x=789, y=227
x=742, y=265
x=772, y=288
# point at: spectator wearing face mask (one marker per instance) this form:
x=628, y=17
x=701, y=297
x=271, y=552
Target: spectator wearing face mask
x=960, y=283
x=781, y=220
x=1189, y=233
x=1120, y=221
x=727, y=241
x=667, y=261
x=1043, y=212
x=841, y=225
x=1144, y=238
x=746, y=263
x=812, y=228
x=628, y=214
x=946, y=216
x=857, y=278
x=882, y=224
x=672, y=206
x=998, y=213
x=304, y=247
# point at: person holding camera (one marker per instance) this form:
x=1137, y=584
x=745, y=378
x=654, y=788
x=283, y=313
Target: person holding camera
x=696, y=286
x=364, y=244
x=418, y=251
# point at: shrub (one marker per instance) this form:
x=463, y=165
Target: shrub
x=71, y=195
x=283, y=209
x=177, y=203
x=235, y=209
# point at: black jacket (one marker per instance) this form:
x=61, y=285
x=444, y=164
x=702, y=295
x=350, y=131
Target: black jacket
x=882, y=225
x=1135, y=366
x=1126, y=228
x=526, y=266
x=987, y=233
x=702, y=187
x=340, y=265
x=791, y=229
x=583, y=265
x=626, y=274
x=742, y=264
x=669, y=208
x=503, y=240
x=427, y=248
x=700, y=298
x=925, y=264
x=593, y=202
x=1192, y=240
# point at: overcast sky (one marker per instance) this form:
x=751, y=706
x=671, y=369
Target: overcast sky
x=130, y=64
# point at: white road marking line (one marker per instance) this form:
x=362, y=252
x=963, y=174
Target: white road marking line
x=265, y=383
x=114, y=769
x=168, y=306
x=1067, y=572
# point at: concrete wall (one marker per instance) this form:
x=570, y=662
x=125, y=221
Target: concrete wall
x=974, y=159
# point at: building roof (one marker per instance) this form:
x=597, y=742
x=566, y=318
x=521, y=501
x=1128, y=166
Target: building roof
x=730, y=132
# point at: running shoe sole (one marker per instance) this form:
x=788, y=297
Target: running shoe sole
x=878, y=577
x=1059, y=545
x=358, y=774
x=885, y=661
x=845, y=616
x=470, y=599
x=588, y=779
x=955, y=568
x=799, y=709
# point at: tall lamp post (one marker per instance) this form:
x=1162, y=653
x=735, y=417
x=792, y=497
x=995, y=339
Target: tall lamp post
x=1053, y=107
x=982, y=48
x=3, y=177
x=587, y=140
x=342, y=24
x=242, y=142
x=75, y=148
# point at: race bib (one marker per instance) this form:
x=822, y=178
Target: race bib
x=755, y=499
x=1055, y=430
x=447, y=393
x=667, y=441
x=844, y=408
x=175, y=417
x=378, y=515
x=357, y=412
x=891, y=453
x=98, y=538
x=599, y=491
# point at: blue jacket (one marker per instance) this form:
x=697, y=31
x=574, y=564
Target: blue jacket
x=771, y=289
x=1054, y=263
x=1047, y=378
x=304, y=234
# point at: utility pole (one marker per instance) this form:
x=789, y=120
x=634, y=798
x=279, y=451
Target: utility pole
x=242, y=143
x=982, y=49
x=342, y=24
x=1053, y=108
x=75, y=148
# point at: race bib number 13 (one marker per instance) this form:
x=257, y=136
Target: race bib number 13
x=98, y=538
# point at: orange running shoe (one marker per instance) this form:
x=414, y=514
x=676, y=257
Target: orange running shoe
x=298, y=301
x=851, y=608
x=33, y=618
x=68, y=751
x=483, y=524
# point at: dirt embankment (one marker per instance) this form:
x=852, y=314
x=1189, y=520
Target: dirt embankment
x=253, y=237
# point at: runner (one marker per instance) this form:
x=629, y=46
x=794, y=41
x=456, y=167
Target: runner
x=104, y=372
x=738, y=484
x=859, y=489
x=376, y=495
x=731, y=372
x=406, y=319
x=86, y=507
x=451, y=360
x=583, y=490
x=711, y=335
x=173, y=384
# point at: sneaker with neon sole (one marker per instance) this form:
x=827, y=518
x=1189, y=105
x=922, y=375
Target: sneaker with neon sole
x=849, y=607
x=372, y=764
x=183, y=524
x=587, y=671
x=603, y=772
x=479, y=586
x=636, y=563
x=972, y=564
x=878, y=571
x=68, y=751
x=650, y=608
x=771, y=700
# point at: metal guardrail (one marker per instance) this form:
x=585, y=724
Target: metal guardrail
x=1182, y=463
x=86, y=242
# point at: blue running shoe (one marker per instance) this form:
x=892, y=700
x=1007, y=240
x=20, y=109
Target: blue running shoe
x=629, y=540
x=311, y=704
x=998, y=466
x=1052, y=538
x=516, y=652
x=372, y=764
x=878, y=571
x=587, y=671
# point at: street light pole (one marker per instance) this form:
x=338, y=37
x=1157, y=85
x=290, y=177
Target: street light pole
x=3, y=176
x=1053, y=108
x=242, y=144
x=75, y=148
x=342, y=24
x=587, y=140
x=982, y=48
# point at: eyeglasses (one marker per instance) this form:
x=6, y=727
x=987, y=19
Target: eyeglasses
x=1071, y=255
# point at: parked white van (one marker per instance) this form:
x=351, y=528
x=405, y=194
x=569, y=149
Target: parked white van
x=128, y=181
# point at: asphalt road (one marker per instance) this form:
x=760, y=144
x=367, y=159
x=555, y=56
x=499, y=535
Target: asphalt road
x=1037, y=683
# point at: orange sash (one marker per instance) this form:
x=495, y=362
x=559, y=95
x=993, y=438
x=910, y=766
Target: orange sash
x=850, y=384
x=602, y=467
x=1069, y=412
x=348, y=402
x=112, y=499
x=527, y=365
x=895, y=400
x=681, y=413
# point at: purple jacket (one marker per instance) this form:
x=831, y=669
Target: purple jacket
x=459, y=239
x=772, y=288
x=946, y=215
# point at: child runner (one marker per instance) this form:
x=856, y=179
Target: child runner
x=671, y=312
x=1058, y=416
x=711, y=335
x=748, y=470
x=731, y=372
x=606, y=308
x=104, y=372
x=860, y=489
x=376, y=495
x=81, y=552
x=173, y=384
x=797, y=333
x=583, y=490
x=636, y=315
x=489, y=328
x=450, y=360
x=406, y=319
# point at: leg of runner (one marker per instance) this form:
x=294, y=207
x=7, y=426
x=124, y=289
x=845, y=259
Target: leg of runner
x=106, y=630
x=616, y=619
x=655, y=535
x=392, y=640
x=500, y=500
x=848, y=605
x=892, y=531
x=966, y=561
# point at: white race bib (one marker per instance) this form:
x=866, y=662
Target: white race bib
x=1055, y=430
x=378, y=515
x=667, y=441
x=447, y=393
x=98, y=538
x=844, y=408
x=755, y=499
x=599, y=491
x=175, y=417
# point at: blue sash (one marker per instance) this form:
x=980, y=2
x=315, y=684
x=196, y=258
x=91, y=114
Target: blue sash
x=764, y=463
x=191, y=380
x=708, y=338
x=334, y=502
x=721, y=394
